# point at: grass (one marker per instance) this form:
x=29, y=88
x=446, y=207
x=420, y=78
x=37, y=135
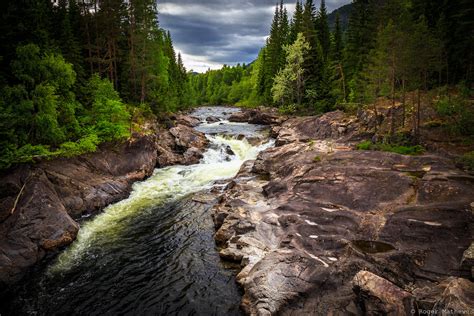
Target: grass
x=394, y=148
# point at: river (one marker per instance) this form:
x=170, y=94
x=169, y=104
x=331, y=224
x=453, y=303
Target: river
x=152, y=253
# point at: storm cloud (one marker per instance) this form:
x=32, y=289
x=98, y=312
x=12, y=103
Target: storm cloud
x=210, y=33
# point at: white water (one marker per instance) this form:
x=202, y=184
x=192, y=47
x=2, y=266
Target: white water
x=164, y=186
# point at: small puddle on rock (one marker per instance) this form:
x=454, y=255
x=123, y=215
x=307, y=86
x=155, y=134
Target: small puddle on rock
x=368, y=246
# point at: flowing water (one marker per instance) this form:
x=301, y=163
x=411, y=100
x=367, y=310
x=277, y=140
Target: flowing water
x=153, y=253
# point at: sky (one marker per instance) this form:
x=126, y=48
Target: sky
x=210, y=33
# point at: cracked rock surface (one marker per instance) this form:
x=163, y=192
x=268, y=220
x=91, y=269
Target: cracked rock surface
x=319, y=228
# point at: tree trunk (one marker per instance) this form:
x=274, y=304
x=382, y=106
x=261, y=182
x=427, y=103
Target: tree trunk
x=403, y=103
x=417, y=122
x=392, y=110
x=343, y=78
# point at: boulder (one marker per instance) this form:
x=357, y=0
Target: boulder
x=212, y=119
x=260, y=117
x=187, y=120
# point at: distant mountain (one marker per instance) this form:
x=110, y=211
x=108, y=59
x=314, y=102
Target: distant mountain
x=344, y=14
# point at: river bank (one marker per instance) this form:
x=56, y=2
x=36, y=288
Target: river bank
x=40, y=204
x=152, y=252
x=320, y=228
x=313, y=225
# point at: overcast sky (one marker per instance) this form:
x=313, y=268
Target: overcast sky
x=210, y=33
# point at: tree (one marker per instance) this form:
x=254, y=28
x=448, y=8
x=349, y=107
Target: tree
x=296, y=22
x=322, y=28
x=289, y=82
x=339, y=85
x=107, y=114
x=313, y=58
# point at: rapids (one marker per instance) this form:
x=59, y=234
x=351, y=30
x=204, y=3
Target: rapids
x=152, y=253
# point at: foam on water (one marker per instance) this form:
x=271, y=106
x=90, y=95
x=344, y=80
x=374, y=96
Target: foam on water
x=164, y=186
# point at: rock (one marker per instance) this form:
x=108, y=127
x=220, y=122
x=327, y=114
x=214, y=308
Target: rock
x=379, y=296
x=320, y=216
x=212, y=119
x=260, y=117
x=187, y=137
x=467, y=261
x=240, y=117
x=453, y=296
x=187, y=120
x=229, y=151
x=332, y=125
x=180, y=145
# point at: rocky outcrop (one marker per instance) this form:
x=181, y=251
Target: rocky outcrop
x=180, y=145
x=39, y=203
x=320, y=228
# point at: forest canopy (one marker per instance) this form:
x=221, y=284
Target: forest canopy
x=72, y=72
x=76, y=73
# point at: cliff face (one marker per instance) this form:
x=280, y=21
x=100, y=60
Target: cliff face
x=321, y=228
x=39, y=203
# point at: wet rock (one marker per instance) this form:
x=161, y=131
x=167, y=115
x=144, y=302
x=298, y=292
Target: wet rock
x=180, y=145
x=212, y=119
x=187, y=137
x=229, y=151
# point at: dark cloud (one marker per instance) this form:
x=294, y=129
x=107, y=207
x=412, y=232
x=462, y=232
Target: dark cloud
x=209, y=33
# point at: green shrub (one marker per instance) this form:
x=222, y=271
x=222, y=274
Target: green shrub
x=467, y=160
x=28, y=152
x=317, y=159
x=84, y=145
x=287, y=109
x=458, y=112
x=365, y=145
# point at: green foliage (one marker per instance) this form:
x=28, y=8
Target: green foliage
x=399, y=149
x=108, y=114
x=84, y=145
x=288, y=109
x=28, y=152
x=458, y=111
x=317, y=159
x=41, y=117
x=467, y=161
x=288, y=86
x=365, y=145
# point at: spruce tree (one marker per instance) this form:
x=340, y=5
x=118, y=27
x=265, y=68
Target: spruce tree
x=313, y=58
x=322, y=28
x=296, y=22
